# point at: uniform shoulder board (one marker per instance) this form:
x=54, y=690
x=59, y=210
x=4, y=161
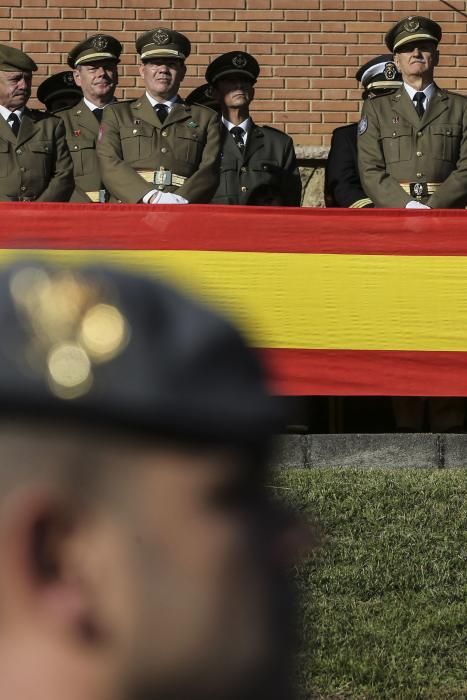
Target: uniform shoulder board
x=278, y=132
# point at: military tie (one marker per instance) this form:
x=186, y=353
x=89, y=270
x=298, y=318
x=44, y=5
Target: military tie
x=419, y=99
x=98, y=113
x=161, y=110
x=237, y=133
x=14, y=122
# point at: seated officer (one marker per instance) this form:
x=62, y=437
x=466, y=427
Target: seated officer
x=59, y=91
x=342, y=186
x=35, y=165
x=252, y=156
x=159, y=149
x=141, y=555
x=95, y=70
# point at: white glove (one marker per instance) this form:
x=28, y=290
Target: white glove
x=167, y=198
x=416, y=205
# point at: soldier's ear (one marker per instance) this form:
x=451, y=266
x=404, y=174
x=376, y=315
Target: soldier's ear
x=397, y=62
x=77, y=76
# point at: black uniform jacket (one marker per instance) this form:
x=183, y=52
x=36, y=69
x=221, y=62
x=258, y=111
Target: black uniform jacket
x=342, y=186
x=268, y=162
x=35, y=165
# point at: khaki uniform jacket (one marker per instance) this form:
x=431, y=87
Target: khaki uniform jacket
x=35, y=165
x=187, y=144
x=82, y=130
x=395, y=145
x=268, y=161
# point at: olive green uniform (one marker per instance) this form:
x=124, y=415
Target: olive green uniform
x=396, y=146
x=36, y=164
x=184, y=149
x=82, y=130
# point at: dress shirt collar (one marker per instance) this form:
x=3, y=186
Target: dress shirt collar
x=428, y=91
x=245, y=125
x=92, y=106
x=5, y=112
x=168, y=103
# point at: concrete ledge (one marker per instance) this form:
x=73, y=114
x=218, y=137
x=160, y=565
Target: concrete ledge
x=414, y=450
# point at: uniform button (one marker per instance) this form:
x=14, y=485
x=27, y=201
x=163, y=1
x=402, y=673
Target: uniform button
x=419, y=174
x=22, y=170
x=448, y=133
x=75, y=148
x=163, y=150
x=19, y=151
x=135, y=131
x=420, y=133
x=419, y=153
x=160, y=187
x=394, y=133
x=163, y=133
x=243, y=169
x=244, y=189
x=23, y=188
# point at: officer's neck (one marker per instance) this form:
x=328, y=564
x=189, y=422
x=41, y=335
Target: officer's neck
x=418, y=82
x=236, y=115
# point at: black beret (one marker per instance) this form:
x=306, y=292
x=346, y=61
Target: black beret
x=98, y=47
x=163, y=43
x=12, y=59
x=60, y=85
x=106, y=348
x=411, y=29
x=379, y=73
x=233, y=63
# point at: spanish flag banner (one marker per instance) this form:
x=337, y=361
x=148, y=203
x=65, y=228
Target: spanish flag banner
x=359, y=302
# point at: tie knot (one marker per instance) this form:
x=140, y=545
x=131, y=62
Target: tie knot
x=237, y=132
x=98, y=112
x=161, y=110
x=14, y=122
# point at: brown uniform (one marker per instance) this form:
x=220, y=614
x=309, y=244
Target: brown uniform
x=82, y=130
x=36, y=164
x=427, y=155
x=184, y=150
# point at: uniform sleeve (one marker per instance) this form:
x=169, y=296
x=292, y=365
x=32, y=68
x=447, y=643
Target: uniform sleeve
x=342, y=180
x=200, y=187
x=381, y=188
x=291, y=184
x=119, y=178
x=61, y=183
x=453, y=191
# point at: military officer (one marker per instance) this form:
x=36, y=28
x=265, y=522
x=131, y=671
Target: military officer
x=158, y=149
x=253, y=157
x=59, y=91
x=411, y=145
x=35, y=164
x=342, y=186
x=95, y=70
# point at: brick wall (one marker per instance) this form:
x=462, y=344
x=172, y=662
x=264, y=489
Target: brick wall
x=309, y=50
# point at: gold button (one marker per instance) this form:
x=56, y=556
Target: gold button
x=243, y=169
x=419, y=153
x=448, y=133
x=161, y=187
x=23, y=188
x=163, y=150
x=394, y=133
x=22, y=170
x=420, y=133
x=135, y=131
x=419, y=174
x=244, y=189
x=19, y=151
x=164, y=133
x=75, y=147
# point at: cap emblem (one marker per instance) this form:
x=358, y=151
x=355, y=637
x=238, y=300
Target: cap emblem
x=68, y=79
x=411, y=24
x=161, y=37
x=362, y=125
x=239, y=61
x=71, y=327
x=418, y=189
x=389, y=71
x=100, y=43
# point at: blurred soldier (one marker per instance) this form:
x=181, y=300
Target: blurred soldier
x=158, y=149
x=95, y=69
x=342, y=186
x=252, y=156
x=141, y=555
x=35, y=164
x=59, y=91
x=412, y=150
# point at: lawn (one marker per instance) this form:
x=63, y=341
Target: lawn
x=384, y=611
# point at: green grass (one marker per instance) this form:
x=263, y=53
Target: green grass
x=384, y=612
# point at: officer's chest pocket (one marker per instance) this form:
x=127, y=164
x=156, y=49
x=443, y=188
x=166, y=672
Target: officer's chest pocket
x=83, y=154
x=5, y=159
x=267, y=170
x=41, y=155
x=188, y=144
x=445, y=140
x=397, y=144
x=137, y=142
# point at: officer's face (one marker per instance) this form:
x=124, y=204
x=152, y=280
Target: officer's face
x=193, y=593
x=97, y=80
x=162, y=76
x=15, y=88
x=236, y=91
x=417, y=60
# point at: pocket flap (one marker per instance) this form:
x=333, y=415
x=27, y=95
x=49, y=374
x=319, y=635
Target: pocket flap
x=41, y=147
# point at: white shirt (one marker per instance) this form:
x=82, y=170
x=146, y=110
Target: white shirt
x=245, y=125
x=92, y=106
x=5, y=112
x=428, y=92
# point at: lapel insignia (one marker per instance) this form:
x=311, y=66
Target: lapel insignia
x=77, y=132
x=192, y=124
x=396, y=120
x=137, y=122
